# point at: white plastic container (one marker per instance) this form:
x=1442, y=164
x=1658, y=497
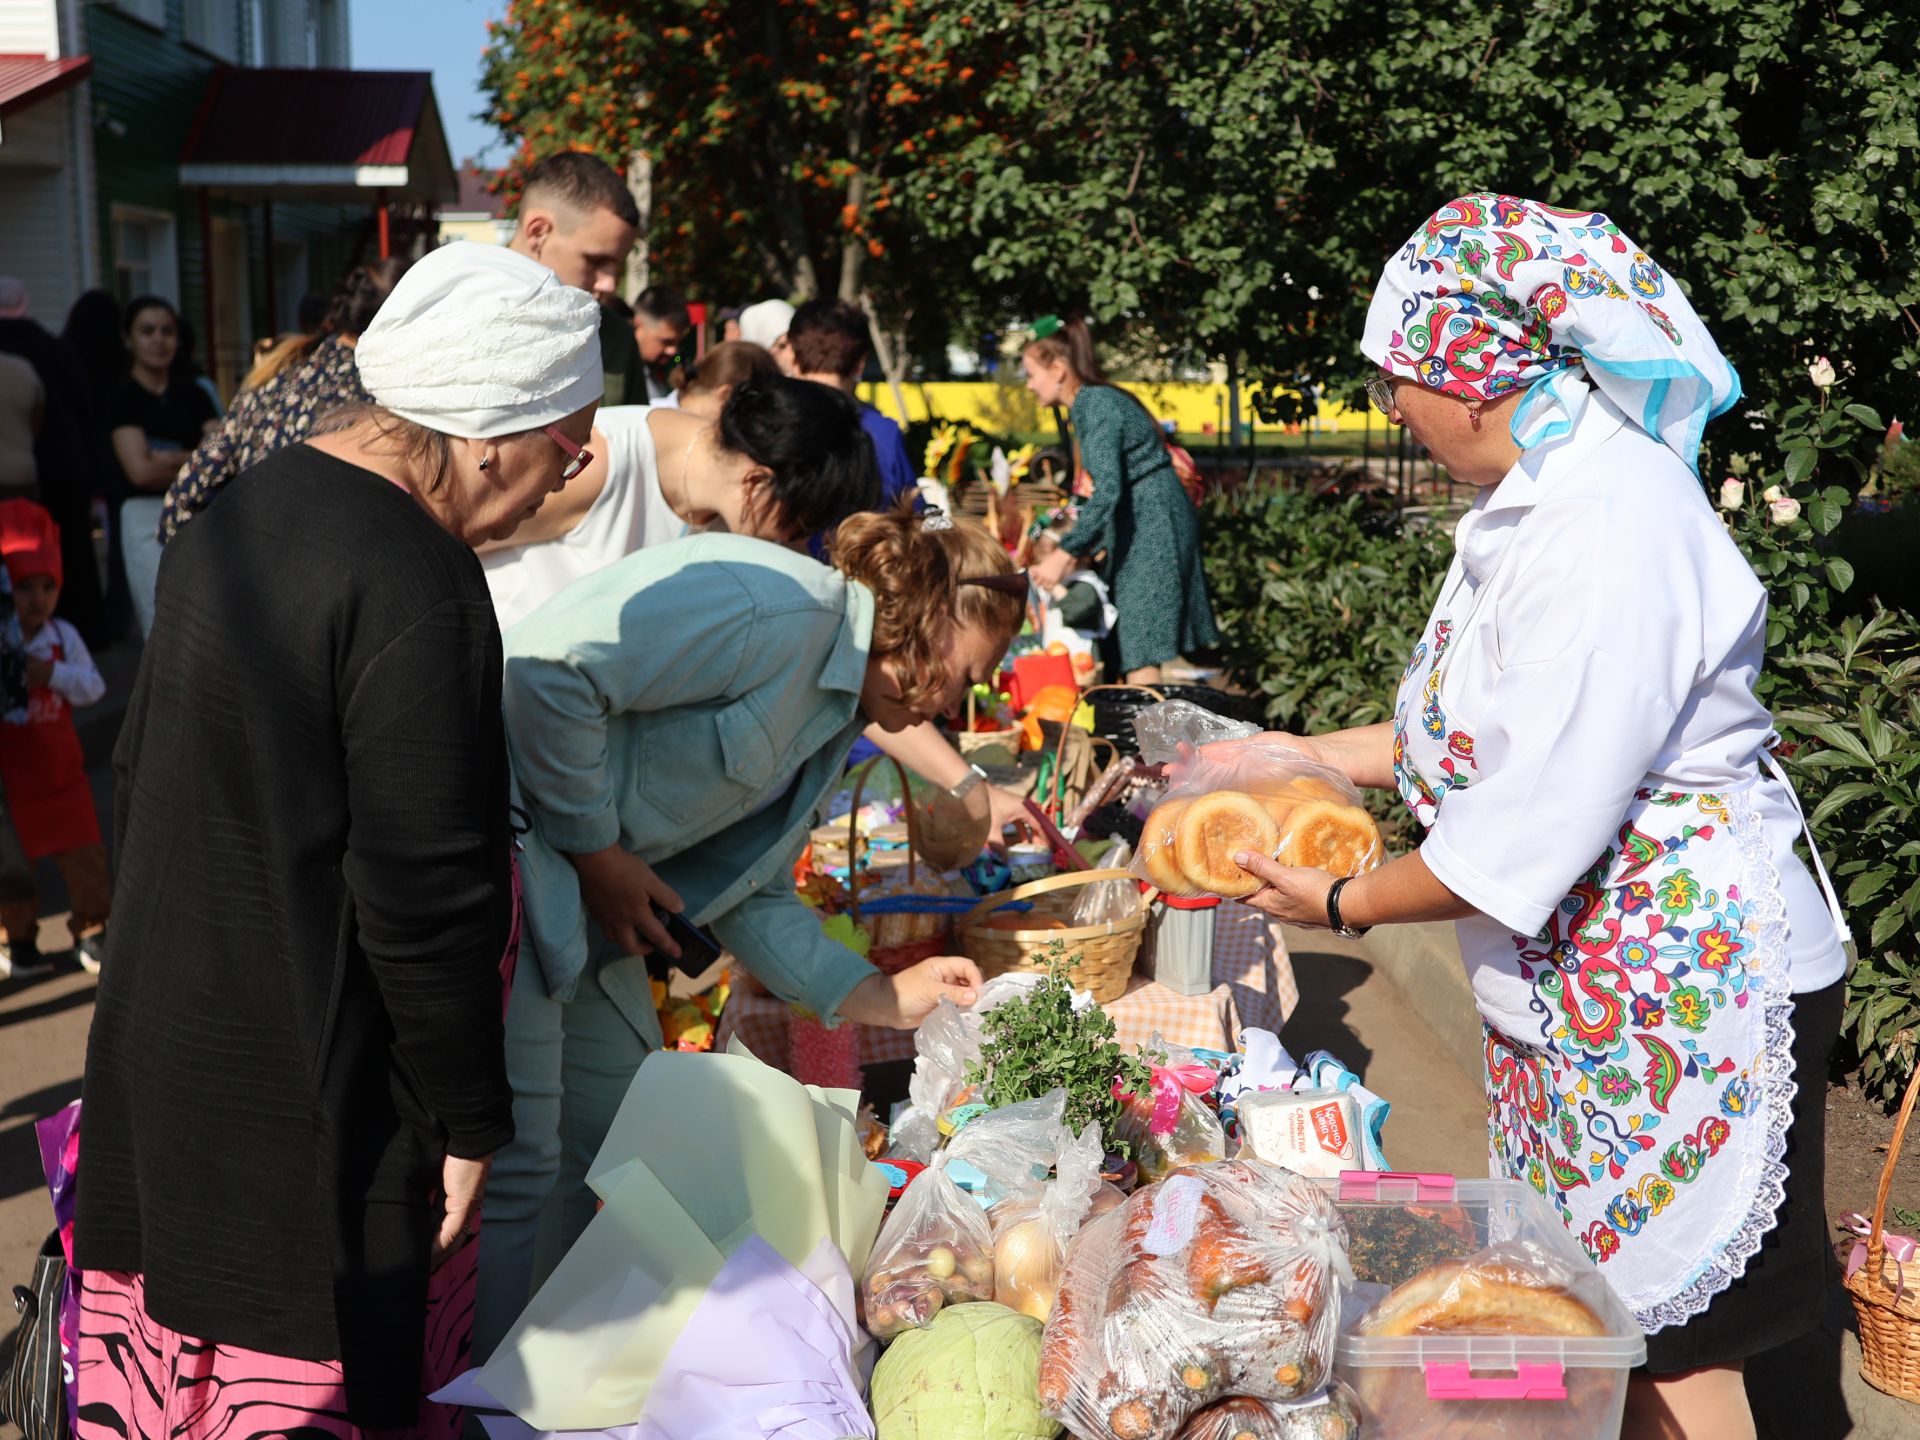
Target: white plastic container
x=1491, y=1387
x=1181, y=934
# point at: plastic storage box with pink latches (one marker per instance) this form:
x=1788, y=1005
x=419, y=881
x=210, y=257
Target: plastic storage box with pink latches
x=1475, y=1314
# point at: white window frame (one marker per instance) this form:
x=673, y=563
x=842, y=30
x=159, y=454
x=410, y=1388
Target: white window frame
x=163, y=261
x=214, y=27
x=147, y=12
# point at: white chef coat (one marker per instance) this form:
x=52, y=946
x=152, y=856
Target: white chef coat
x=1607, y=636
x=628, y=514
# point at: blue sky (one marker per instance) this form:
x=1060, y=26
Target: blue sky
x=446, y=37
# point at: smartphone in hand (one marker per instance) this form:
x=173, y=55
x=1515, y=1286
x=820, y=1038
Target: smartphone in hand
x=698, y=948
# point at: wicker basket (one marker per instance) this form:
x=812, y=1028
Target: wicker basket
x=1107, y=952
x=901, y=939
x=1889, y=1320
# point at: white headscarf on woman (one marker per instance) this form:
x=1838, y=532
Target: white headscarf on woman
x=1494, y=293
x=478, y=341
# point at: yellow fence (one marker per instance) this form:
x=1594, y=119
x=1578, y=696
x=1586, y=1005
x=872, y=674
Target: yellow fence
x=1011, y=410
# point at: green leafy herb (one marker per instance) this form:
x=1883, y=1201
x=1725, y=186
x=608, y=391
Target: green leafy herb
x=1038, y=1042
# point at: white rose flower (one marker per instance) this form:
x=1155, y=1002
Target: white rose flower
x=1772, y=493
x=1784, y=511
x=1821, y=372
x=1733, y=494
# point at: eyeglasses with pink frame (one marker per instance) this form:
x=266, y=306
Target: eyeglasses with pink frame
x=578, y=456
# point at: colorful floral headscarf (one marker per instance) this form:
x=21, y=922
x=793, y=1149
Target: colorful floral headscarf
x=1496, y=293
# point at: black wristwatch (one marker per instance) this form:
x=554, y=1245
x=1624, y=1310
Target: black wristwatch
x=1334, y=922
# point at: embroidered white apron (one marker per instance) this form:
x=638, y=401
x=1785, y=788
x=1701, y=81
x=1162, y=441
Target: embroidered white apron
x=1648, y=1090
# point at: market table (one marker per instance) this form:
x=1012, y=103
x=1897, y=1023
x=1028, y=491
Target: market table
x=1254, y=988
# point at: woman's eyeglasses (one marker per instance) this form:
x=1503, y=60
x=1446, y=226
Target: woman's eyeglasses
x=1380, y=392
x=578, y=456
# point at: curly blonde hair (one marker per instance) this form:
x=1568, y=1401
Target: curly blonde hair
x=915, y=574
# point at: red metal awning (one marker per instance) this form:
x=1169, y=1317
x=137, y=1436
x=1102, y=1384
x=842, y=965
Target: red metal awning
x=27, y=79
x=337, y=135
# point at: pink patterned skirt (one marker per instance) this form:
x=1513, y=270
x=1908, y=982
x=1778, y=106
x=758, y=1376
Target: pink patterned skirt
x=139, y=1380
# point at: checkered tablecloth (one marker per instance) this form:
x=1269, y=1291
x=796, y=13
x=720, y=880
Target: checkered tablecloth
x=1255, y=988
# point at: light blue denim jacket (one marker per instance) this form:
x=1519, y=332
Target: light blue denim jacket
x=694, y=702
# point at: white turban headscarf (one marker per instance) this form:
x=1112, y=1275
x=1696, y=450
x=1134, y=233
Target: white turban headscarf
x=478, y=341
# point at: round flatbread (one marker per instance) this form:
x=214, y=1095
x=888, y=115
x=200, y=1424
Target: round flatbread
x=1457, y=1298
x=1211, y=829
x=1339, y=839
x=1317, y=787
x=1158, y=845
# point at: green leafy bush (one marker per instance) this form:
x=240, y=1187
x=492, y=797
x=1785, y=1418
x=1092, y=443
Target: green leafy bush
x=1845, y=692
x=1852, y=717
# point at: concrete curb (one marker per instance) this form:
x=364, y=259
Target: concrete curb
x=1423, y=962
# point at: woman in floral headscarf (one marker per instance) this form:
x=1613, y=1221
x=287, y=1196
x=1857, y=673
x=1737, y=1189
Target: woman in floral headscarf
x=1659, y=975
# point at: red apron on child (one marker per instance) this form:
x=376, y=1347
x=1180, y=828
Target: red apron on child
x=43, y=773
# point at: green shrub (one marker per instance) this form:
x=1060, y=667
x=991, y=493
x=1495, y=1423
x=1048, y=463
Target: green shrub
x=1851, y=714
x=1844, y=689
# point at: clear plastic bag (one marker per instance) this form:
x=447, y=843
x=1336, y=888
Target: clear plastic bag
x=1031, y=1232
x=1223, y=1280
x=1108, y=902
x=1164, y=730
x=1334, y=1414
x=935, y=1250
x=1261, y=796
x=1172, y=1125
x=1014, y=1147
x=947, y=1042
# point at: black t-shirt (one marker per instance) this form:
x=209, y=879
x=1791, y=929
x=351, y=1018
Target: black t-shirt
x=175, y=420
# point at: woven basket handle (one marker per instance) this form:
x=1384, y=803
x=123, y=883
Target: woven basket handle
x=1066, y=880
x=1876, y=1239
x=853, y=829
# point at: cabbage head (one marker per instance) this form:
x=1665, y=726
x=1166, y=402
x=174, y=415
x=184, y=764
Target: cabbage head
x=974, y=1372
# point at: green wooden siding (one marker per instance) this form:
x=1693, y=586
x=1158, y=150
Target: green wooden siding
x=147, y=88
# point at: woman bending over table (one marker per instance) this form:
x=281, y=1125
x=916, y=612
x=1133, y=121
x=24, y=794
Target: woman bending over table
x=1659, y=976
x=676, y=721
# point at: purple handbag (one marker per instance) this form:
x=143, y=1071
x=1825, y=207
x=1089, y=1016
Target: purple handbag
x=59, y=1136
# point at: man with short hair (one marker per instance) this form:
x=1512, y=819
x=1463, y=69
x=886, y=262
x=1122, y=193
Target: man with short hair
x=660, y=323
x=830, y=343
x=578, y=219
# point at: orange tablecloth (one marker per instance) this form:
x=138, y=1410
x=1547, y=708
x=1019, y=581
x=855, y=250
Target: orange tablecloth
x=1254, y=988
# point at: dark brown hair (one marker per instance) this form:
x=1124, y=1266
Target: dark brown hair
x=914, y=574
x=361, y=295
x=581, y=182
x=829, y=337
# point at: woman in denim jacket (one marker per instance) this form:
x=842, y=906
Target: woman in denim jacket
x=675, y=722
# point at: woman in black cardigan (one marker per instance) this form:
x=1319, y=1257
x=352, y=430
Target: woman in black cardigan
x=295, y=1079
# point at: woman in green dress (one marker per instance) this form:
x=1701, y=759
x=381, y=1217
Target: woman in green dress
x=1139, y=514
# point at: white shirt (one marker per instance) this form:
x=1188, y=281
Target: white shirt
x=628, y=514
x=1609, y=642
x=76, y=679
